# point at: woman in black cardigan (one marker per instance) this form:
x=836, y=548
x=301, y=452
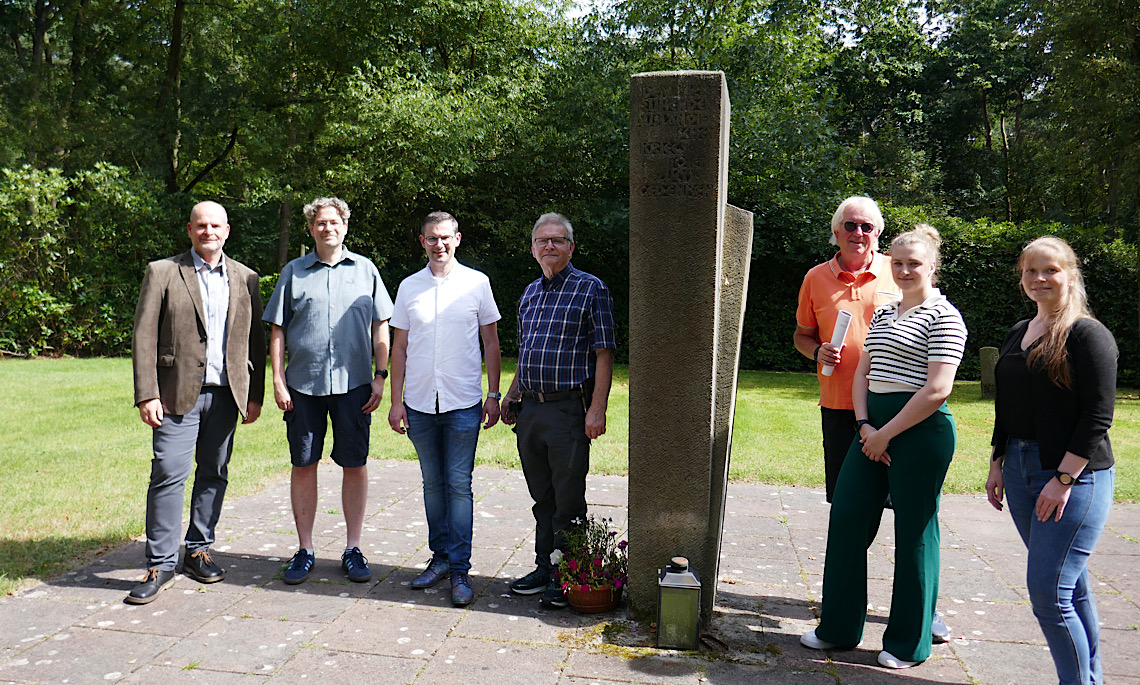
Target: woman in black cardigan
x=1052, y=459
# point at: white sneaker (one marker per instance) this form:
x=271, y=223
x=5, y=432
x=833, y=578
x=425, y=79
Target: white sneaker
x=939, y=629
x=810, y=641
x=891, y=661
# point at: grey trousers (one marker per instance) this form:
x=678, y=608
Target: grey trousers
x=555, y=456
x=205, y=436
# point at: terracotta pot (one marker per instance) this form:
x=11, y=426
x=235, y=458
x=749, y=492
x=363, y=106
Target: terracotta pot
x=588, y=601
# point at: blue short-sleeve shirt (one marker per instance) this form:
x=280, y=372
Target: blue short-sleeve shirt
x=327, y=312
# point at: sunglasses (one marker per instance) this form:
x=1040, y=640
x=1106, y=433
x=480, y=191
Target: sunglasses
x=850, y=227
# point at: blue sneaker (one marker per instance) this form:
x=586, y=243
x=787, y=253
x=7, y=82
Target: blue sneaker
x=299, y=567
x=436, y=571
x=461, y=592
x=355, y=565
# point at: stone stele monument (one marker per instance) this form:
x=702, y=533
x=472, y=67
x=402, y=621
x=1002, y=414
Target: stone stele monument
x=689, y=257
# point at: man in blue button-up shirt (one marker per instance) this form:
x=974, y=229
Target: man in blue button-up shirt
x=561, y=387
x=331, y=310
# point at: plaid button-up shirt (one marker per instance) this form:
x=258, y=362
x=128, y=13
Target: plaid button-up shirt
x=562, y=320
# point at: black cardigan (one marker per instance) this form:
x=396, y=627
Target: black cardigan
x=1074, y=420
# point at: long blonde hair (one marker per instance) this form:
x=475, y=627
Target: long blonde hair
x=1051, y=355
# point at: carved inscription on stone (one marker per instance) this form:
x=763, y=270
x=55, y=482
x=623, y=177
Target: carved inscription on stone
x=674, y=127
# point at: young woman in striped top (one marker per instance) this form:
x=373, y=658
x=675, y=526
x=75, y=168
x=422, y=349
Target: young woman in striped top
x=906, y=441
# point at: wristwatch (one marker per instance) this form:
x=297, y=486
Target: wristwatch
x=383, y=373
x=495, y=395
x=1065, y=478
x=859, y=423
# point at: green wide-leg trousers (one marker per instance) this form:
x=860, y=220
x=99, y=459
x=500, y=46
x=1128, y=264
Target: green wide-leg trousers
x=920, y=457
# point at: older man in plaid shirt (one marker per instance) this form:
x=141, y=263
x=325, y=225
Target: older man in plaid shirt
x=566, y=362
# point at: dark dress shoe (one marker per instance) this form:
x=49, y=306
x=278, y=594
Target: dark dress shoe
x=154, y=582
x=202, y=568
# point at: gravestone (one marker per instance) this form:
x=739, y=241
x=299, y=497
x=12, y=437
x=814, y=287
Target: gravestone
x=988, y=356
x=689, y=257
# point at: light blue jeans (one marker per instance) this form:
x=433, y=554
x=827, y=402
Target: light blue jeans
x=1058, y=575
x=445, y=444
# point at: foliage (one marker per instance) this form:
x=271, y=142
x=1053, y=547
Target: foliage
x=73, y=253
x=1013, y=116
x=592, y=557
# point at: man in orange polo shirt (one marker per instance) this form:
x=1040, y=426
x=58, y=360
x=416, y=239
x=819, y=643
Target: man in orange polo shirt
x=857, y=280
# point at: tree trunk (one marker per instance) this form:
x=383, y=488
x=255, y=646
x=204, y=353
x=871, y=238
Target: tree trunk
x=170, y=98
x=986, y=121
x=284, y=220
x=41, y=21
x=1005, y=169
x=77, y=94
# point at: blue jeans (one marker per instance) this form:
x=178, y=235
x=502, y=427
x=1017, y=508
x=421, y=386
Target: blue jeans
x=445, y=444
x=1058, y=575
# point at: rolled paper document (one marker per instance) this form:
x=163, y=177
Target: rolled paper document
x=842, y=323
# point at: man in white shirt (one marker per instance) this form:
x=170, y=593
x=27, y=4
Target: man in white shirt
x=441, y=312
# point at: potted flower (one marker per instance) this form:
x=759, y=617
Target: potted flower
x=593, y=565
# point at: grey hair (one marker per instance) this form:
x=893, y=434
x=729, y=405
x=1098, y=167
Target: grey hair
x=436, y=218
x=320, y=203
x=867, y=204
x=553, y=218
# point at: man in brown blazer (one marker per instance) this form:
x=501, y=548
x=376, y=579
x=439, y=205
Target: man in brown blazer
x=199, y=361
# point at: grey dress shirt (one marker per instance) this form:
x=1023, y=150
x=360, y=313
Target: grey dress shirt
x=327, y=312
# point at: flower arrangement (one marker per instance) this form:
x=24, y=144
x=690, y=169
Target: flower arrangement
x=592, y=557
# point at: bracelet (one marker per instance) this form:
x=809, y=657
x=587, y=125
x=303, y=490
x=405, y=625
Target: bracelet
x=815, y=354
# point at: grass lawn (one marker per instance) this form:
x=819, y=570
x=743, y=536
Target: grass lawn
x=75, y=457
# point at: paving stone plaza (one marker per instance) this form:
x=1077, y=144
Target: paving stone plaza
x=254, y=629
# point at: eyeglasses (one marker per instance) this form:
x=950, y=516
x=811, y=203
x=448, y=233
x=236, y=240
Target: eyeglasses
x=556, y=242
x=866, y=228
x=437, y=239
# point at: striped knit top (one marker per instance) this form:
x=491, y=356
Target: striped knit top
x=901, y=345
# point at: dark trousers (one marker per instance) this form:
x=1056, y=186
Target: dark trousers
x=838, y=432
x=203, y=437
x=555, y=455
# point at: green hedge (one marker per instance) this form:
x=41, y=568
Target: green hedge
x=75, y=248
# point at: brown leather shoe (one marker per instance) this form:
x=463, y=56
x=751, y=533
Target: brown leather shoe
x=154, y=582
x=201, y=567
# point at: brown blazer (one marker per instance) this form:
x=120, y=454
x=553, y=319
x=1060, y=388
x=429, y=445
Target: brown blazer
x=169, y=345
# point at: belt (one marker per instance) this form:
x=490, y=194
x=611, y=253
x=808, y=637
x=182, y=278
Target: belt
x=543, y=397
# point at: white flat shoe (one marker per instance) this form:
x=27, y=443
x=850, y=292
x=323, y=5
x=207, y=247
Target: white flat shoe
x=810, y=641
x=891, y=661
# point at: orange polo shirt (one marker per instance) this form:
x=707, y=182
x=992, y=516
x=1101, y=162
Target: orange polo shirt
x=828, y=289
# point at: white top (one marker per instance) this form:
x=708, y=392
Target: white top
x=214, y=284
x=442, y=317
x=902, y=344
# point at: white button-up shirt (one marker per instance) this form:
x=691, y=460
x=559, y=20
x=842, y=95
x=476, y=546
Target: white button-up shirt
x=214, y=285
x=442, y=317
